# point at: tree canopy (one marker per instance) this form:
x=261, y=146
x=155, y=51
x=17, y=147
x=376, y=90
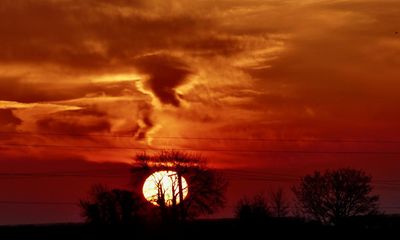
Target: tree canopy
x=113, y=206
x=336, y=194
x=206, y=187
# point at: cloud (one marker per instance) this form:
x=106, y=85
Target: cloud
x=97, y=115
x=235, y=61
x=165, y=73
x=99, y=36
x=145, y=122
x=8, y=122
x=23, y=90
x=75, y=122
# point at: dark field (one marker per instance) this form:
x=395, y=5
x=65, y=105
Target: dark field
x=376, y=227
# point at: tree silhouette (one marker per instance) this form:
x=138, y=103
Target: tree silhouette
x=254, y=210
x=279, y=205
x=334, y=195
x=206, y=187
x=114, y=206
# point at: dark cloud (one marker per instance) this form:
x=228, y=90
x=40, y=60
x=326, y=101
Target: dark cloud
x=100, y=118
x=165, y=74
x=8, y=121
x=145, y=112
x=213, y=45
x=75, y=122
x=99, y=35
x=16, y=89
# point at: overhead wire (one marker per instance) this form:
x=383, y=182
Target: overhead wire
x=334, y=140
x=281, y=151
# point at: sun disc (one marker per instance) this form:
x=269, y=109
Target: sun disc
x=164, y=186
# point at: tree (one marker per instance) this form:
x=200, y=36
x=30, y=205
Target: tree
x=337, y=194
x=279, y=205
x=114, y=206
x=254, y=210
x=206, y=186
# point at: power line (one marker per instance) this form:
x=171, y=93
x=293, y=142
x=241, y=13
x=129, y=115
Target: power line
x=334, y=140
x=258, y=173
x=292, y=180
x=126, y=170
x=36, y=203
x=294, y=208
x=242, y=177
x=55, y=147
x=47, y=203
x=57, y=176
x=285, y=177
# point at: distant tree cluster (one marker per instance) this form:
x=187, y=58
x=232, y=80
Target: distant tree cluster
x=253, y=210
x=260, y=208
x=114, y=206
x=332, y=196
x=328, y=198
x=280, y=206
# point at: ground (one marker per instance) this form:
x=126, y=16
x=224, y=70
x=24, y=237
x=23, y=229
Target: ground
x=206, y=229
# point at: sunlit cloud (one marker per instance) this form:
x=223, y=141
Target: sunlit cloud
x=232, y=69
x=36, y=106
x=112, y=78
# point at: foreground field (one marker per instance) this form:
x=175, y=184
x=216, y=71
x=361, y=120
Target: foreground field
x=205, y=229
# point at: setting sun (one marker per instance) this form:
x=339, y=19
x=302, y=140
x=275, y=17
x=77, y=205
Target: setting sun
x=164, y=184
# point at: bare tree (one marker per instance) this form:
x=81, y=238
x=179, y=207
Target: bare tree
x=114, y=206
x=334, y=195
x=206, y=186
x=253, y=210
x=279, y=204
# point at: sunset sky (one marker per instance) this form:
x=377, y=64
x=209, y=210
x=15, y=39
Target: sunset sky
x=267, y=90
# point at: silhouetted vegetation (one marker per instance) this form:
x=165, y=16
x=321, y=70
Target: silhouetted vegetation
x=279, y=205
x=332, y=196
x=114, y=206
x=207, y=187
x=252, y=210
x=340, y=196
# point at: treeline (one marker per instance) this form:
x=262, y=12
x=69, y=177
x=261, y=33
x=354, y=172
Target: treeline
x=330, y=198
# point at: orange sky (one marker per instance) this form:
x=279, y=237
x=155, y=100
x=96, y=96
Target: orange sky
x=100, y=80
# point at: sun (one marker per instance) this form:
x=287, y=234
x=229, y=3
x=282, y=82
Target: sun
x=164, y=186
